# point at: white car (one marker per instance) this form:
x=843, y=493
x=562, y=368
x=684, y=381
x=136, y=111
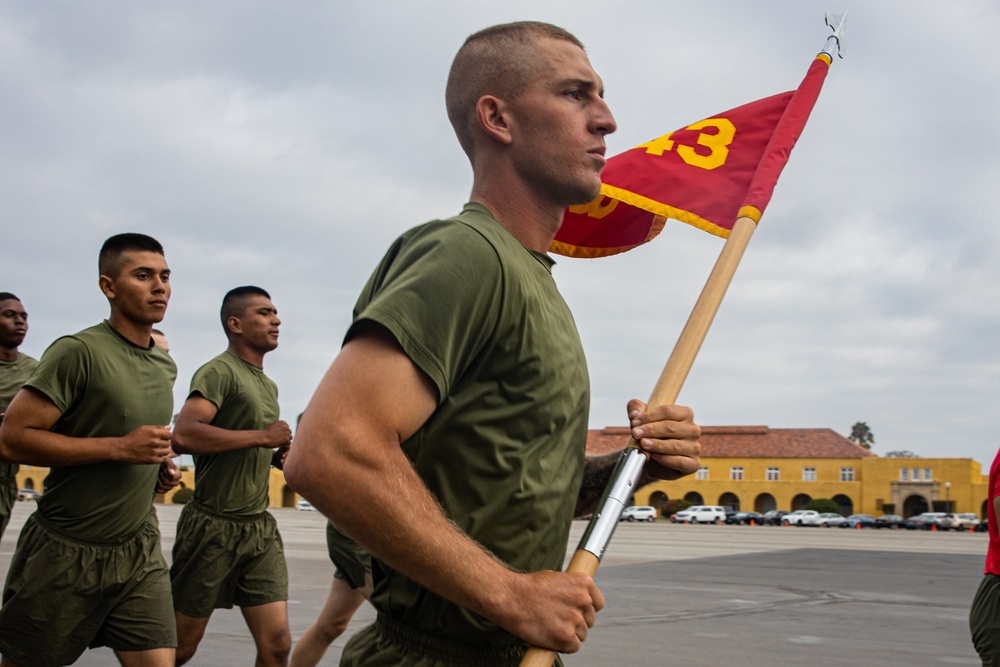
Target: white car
x=827, y=519
x=304, y=505
x=801, y=518
x=701, y=514
x=638, y=513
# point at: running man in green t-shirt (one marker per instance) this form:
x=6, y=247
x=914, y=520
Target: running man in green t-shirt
x=15, y=367
x=228, y=550
x=448, y=436
x=88, y=570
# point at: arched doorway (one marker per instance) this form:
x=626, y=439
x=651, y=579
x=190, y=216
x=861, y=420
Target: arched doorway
x=982, y=513
x=658, y=499
x=694, y=498
x=29, y=484
x=800, y=501
x=730, y=500
x=287, y=497
x=844, y=504
x=765, y=503
x=915, y=505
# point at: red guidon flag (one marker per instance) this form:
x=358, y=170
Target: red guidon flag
x=707, y=174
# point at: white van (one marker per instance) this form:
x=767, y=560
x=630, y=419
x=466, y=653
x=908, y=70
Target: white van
x=701, y=514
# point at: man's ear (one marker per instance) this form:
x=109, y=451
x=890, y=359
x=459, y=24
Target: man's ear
x=107, y=285
x=492, y=114
x=234, y=325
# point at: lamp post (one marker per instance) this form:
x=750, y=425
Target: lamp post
x=947, y=496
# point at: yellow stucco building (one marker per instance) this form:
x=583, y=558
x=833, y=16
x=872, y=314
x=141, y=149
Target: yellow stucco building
x=759, y=468
x=32, y=477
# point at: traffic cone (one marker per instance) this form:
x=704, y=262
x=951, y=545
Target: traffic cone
x=972, y=529
x=934, y=527
x=858, y=525
x=752, y=522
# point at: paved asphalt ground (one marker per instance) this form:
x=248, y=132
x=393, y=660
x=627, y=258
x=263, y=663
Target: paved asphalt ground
x=698, y=596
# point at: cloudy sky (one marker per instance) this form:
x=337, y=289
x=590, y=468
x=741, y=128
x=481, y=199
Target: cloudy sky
x=287, y=144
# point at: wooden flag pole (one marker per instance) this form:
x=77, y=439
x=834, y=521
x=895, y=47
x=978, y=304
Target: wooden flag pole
x=665, y=391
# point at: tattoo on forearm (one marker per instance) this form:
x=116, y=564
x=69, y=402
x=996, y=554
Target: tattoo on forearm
x=596, y=473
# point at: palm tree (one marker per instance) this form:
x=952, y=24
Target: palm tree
x=861, y=434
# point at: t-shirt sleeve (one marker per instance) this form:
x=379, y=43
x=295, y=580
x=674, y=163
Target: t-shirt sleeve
x=439, y=291
x=213, y=381
x=62, y=372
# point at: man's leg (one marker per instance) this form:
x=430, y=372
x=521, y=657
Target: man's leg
x=340, y=606
x=268, y=624
x=190, y=630
x=157, y=657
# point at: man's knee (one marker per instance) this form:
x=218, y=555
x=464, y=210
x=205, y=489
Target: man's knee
x=185, y=652
x=274, y=647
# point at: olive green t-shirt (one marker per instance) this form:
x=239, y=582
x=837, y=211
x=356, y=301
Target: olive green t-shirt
x=247, y=400
x=12, y=376
x=504, y=450
x=105, y=386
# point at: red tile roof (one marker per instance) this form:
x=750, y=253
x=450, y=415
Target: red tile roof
x=748, y=442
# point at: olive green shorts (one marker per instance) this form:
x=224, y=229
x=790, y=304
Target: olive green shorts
x=388, y=643
x=221, y=561
x=64, y=595
x=8, y=494
x=984, y=620
x=351, y=559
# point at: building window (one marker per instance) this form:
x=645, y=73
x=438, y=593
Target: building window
x=736, y=473
x=702, y=473
x=847, y=474
x=904, y=474
x=809, y=474
x=773, y=474
x=927, y=475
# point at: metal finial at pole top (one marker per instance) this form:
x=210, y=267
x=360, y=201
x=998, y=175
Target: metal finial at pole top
x=835, y=43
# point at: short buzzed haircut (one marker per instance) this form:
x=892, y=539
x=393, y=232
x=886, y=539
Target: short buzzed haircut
x=499, y=60
x=110, y=260
x=7, y=296
x=235, y=302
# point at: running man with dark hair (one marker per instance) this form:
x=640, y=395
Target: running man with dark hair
x=88, y=570
x=15, y=367
x=228, y=551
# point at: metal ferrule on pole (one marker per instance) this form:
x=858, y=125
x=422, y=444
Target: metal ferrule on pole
x=612, y=503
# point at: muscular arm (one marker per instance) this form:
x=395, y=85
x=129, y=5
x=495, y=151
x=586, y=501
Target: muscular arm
x=348, y=462
x=25, y=438
x=194, y=433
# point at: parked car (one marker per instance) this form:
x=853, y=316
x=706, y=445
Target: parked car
x=27, y=494
x=859, y=521
x=925, y=521
x=890, y=521
x=801, y=518
x=638, y=513
x=982, y=527
x=744, y=518
x=960, y=521
x=304, y=505
x=773, y=517
x=828, y=519
x=700, y=514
